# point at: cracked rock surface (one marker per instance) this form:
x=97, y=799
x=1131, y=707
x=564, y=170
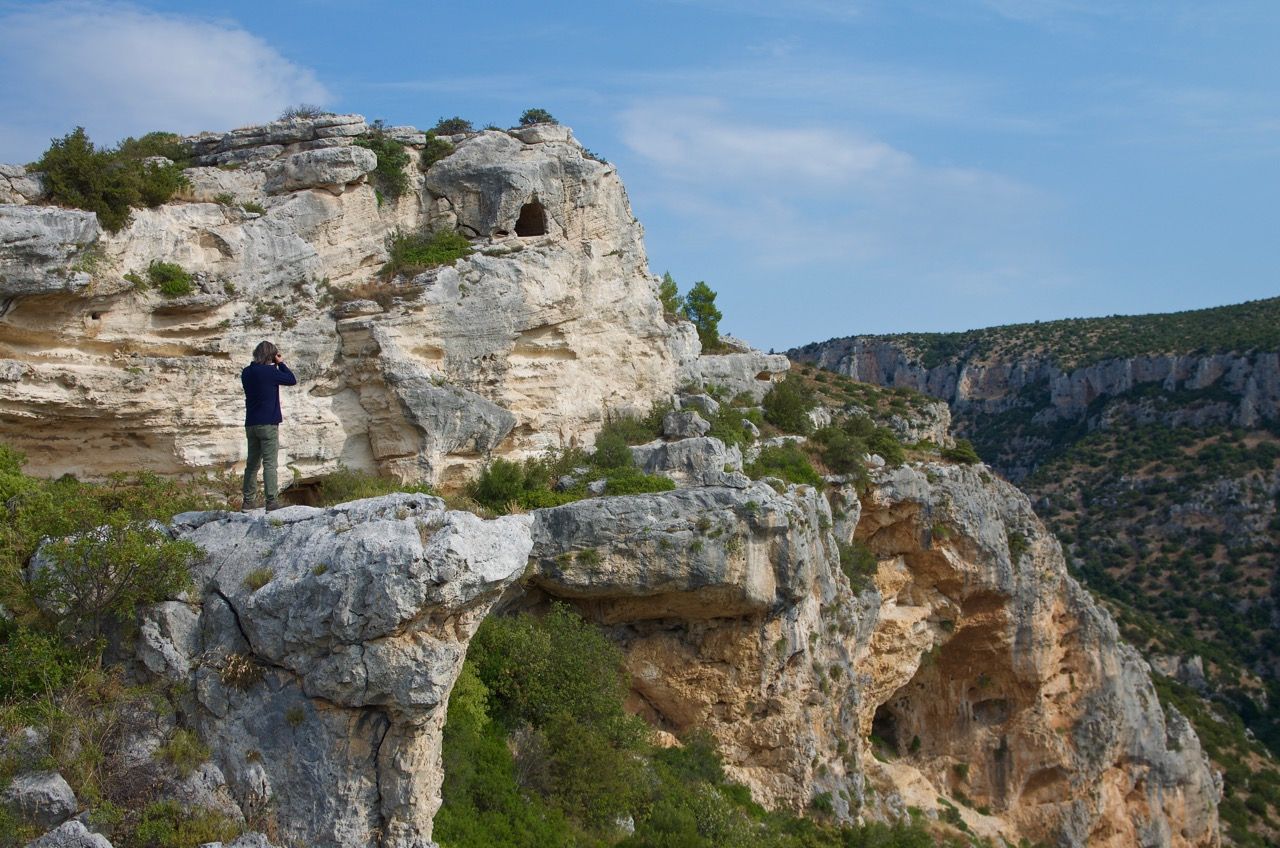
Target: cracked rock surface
x=321, y=646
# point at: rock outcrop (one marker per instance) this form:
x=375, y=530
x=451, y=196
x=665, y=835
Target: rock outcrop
x=989, y=673
x=321, y=646
x=527, y=344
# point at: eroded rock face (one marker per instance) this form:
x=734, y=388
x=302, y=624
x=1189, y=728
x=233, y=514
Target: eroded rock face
x=525, y=345
x=971, y=652
x=996, y=675
x=321, y=646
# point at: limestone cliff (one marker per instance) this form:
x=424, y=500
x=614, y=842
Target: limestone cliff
x=970, y=677
x=524, y=345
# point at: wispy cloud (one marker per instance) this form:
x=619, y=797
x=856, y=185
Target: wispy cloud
x=793, y=203
x=121, y=70
x=826, y=10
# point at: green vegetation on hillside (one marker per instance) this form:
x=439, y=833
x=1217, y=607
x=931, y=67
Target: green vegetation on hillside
x=1074, y=342
x=504, y=485
x=539, y=752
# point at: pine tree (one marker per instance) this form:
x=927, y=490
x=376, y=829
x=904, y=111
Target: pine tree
x=700, y=308
x=669, y=294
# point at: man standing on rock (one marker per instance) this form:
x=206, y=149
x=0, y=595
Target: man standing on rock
x=262, y=380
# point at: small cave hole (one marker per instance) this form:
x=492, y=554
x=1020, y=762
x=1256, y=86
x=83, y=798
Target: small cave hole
x=532, y=220
x=96, y=316
x=884, y=730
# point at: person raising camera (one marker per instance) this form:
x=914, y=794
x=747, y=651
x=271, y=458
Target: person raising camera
x=262, y=380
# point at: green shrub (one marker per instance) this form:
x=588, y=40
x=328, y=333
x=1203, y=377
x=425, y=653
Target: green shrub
x=787, y=405
x=699, y=306
x=347, y=485
x=107, y=572
x=169, y=278
x=389, y=176
x=786, y=461
x=963, y=453
x=633, y=481
x=111, y=182
x=536, y=116
x=500, y=484
x=1018, y=545
x=224, y=198
x=33, y=663
x=453, y=126
x=410, y=253
x=436, y=149
x=166, y=824
x=858, y=562
x=303, y=110
x=559, y=676
x=255, y=208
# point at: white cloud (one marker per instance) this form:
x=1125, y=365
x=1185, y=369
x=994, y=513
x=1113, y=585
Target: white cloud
x=824, y=214
x=119, y=70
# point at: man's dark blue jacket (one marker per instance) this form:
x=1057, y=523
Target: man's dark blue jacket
x=262, y=392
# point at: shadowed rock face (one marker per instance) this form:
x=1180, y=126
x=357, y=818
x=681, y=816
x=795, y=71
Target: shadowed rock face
x=522, y=346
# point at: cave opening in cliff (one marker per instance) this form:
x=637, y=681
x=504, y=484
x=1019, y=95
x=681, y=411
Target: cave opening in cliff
x=884, y=730
x=532, y=220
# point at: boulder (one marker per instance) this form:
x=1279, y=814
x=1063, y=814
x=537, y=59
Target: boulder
x=40, y=798
x=20, y=186
x=330, y=639
x=39, y=246
x=684, y=425
x=330, y=168
x=542, y=133
x=72, y=834
x=753, y=373
x=704, y=404
x=702, y=461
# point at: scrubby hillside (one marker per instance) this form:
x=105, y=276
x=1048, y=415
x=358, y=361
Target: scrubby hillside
x=1151, y=446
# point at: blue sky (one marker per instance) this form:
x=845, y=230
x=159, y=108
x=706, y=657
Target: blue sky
x=828, y=167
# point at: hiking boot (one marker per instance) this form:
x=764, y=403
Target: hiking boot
x=272, y=506
x=250, y=504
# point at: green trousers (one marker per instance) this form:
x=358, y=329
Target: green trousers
x=264, y=444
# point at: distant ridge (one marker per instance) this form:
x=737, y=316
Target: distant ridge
x=1075, y=342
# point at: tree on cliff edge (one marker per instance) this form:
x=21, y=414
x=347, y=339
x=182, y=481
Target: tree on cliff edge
x=700, y=308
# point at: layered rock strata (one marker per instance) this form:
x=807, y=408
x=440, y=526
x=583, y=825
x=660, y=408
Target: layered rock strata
x=527, y=344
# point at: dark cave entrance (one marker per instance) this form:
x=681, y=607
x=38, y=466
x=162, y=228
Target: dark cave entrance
x=532, y=220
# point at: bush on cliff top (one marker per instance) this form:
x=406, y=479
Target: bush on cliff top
x=110, y=182
x=389, y=177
